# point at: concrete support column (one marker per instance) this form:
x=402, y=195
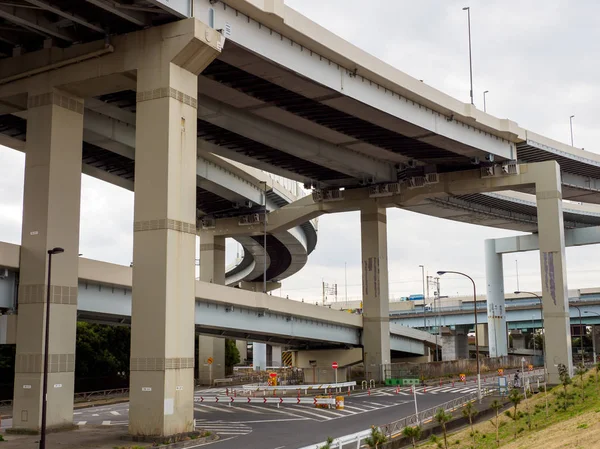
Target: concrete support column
x=163, y=305
x=455, y=345
x=494, y=273
x=595, y=341
x=50, y=218
x=242, y=346
x=210, y=348
x=259, y=356
x=212, y=258
x=554, y=274
x=376, y=320
x=483, y=334
x=276, y=356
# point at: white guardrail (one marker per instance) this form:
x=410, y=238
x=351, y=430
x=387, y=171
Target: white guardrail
x=356, y=440
x=305, y=388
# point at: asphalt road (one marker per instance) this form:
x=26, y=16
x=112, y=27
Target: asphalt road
x=291, y=426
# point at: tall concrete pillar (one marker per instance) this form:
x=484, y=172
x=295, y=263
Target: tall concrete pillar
x=212, y=258
x=275, y=356
x=259, y=356
x=242, y=346
x=455, y=344
x=554, y=273
x=494, y=273
x=162, y=328
x=376, y=320
x=210, y=348
x=50, y=219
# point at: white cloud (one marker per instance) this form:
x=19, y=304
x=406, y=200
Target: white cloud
x=538, y=59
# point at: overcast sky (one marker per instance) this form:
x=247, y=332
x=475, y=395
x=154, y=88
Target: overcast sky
x=540, y=61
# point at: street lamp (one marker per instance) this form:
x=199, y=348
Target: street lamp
x=51, y=252
x=571, y=124
x=580, y=330
x=424, y=308
x=542, y=322
x=593, y=334
x=468, y=9
x=484, y=105
x=265, y=237
x=441, y=273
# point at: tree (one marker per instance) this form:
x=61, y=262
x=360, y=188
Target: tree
x=232, y=355
x=565, y=380
x=327, y=445
x=442, y=418
x=580, y=372
x=496, y=406
x=414, y=433
x=470, y=412
x=377, y=437
x=515, y=397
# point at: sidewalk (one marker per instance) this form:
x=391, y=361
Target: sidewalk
x=90, y=437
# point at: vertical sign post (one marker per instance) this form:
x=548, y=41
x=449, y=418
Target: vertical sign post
x=334, y=365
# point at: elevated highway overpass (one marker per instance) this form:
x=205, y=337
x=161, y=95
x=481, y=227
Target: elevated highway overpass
x=104, y=292
x=259, y=84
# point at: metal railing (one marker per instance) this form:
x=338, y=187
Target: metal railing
x=356, y=440
x=85, y=396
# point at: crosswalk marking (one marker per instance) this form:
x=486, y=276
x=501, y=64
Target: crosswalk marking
x=217, y=408
x=106, y=423
x=81, y=423
x=115, y=413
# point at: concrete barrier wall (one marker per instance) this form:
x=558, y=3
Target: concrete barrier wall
x=453, y=368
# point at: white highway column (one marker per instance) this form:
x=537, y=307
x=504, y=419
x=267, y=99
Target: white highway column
x=212, y=270
x=162, y=330
x=376, y=319
x=554, y=273
x=494, y=273
x=212, y=258
x=51, y=205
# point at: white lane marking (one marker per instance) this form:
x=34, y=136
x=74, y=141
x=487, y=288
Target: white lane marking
x=95, y=414
x=218, y=409
x=358, y=410
x=76, y=413
x=245, y=409
x=311, y=413
x=81, y=423
x=201, y=410
x=274, y=420
x=106, y=423
x=115, y=413
x=376, y=404
x=330, y=411
x=274, y=410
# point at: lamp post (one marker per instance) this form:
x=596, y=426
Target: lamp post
x=580, y=330
x=424, y=309
x=484, y=105
x=571, y=126
x=468, y=9
x=593, y=335
x=441, y=273
x=51, y=252
x=265, y=237
x=542, y=321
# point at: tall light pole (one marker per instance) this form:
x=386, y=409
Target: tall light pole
x=51, y=252
x=484, y=104
x=571, y=125
x=593, y=335
x=468, y=9
x=424, y=309
x=580, y=330
x=441, y=273
x=542, y=321
x=265, y=237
